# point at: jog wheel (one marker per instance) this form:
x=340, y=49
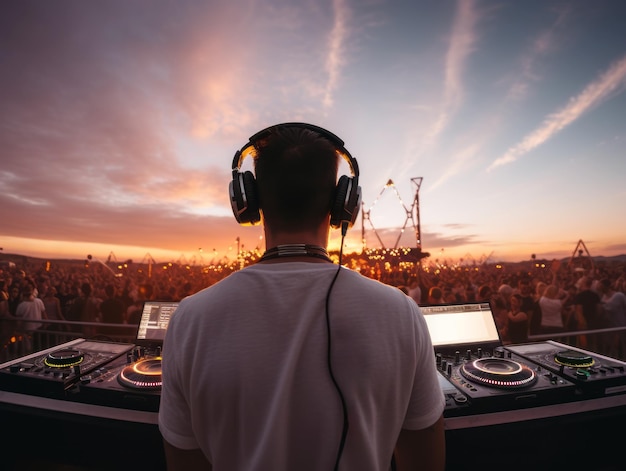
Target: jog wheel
x=499, y=373
x=144, y=374
x=573, y=359
x=65, y=358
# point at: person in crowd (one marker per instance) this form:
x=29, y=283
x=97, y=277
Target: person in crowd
x=448, y=294
x=614, y=306
x=4, y=298
x=30, y=310
x=505, y=291
x=470, y=293
x=551, y=306
x=14, y=298
x=85, y=308
x=588, y=312
x=435, y=295
x=534, y=310
x=485, y=292
x=518, y=320
x=112, y=311
x=524, y=289
x=52, y=306
x=296, y=363
x=145, y=292
x=415, y=290
x=500, y=313
x=6, y=328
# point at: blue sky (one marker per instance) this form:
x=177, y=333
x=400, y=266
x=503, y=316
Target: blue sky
x=120, y=119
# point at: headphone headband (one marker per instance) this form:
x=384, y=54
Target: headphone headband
x=248, y=149
x=243, y=193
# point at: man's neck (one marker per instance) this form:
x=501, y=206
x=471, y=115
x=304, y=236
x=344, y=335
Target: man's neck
x=296, y=246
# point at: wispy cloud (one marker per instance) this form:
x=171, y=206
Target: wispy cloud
x=459, y=161
x=335, y=59
x=543, y=44
x=610, y=82
x=462, y=42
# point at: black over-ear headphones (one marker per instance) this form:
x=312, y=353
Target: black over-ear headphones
x=244, y=195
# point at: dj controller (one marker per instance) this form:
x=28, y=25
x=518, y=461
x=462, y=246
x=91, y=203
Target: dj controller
x=94, y=372
x=474, y=380
x=526, y=375
x=593, y=374
x=133, y=382
x=53, y=372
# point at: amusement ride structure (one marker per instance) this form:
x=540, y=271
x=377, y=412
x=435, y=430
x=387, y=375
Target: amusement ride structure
x=412, y=216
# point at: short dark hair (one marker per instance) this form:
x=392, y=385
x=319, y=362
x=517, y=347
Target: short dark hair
x=296, y=173
x=85, y=288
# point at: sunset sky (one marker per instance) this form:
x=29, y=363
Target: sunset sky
x=119, y=120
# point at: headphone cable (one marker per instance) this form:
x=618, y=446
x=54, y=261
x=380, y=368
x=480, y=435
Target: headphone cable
x=344, y=432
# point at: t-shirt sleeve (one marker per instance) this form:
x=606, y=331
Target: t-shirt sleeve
x=174, y=420
x=427, y=401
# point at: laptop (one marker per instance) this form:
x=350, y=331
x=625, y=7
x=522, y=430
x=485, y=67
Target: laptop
x=155, y=318
x=458, y=326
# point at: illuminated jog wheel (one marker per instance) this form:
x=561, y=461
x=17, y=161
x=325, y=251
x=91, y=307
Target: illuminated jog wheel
x=573, y=359
x=144, y=374
x=65, y=358
x=499, y=373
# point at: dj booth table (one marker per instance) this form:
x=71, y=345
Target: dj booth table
x=51, y=434
x=542, y=405
x=39, y=433
x=585, y=435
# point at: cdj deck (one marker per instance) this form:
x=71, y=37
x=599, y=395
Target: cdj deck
x=126, y=376
x=497, y=381
x=52, y=372
x=479, y=375
x=127, y=383
x=593, y=374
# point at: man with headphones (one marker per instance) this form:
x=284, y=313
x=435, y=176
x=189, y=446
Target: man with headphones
x=296, y=363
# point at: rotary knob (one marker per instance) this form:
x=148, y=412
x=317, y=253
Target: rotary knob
x=582, y=374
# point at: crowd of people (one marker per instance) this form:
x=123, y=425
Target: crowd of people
x=527, y=302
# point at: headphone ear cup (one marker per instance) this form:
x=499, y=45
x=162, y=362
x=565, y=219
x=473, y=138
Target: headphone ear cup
x=338, y=211
x=253, y=215
x=244, y=199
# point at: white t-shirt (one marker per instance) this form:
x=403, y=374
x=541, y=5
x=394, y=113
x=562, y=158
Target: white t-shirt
x=551, y=312
x=31, y=309
x=246, y=377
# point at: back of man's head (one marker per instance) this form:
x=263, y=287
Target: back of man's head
x=296, y=174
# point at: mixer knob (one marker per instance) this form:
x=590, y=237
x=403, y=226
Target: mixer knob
x=582, y=374
x=468, y=354
x=480, y=352
x=444, y=365
x=438, y=359
x=459, y=399
x=498, y=352
x=449, y=370
x=457, y=357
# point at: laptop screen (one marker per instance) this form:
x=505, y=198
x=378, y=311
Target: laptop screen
x=155, y=318
x=461, y=324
